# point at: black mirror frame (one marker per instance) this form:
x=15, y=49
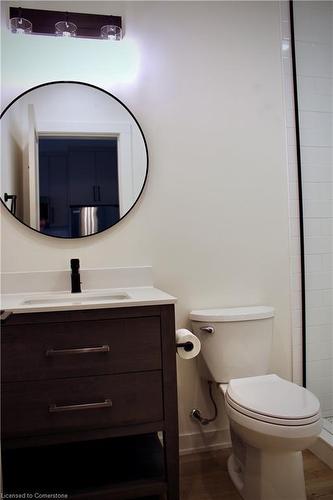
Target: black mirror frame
x=144, y=141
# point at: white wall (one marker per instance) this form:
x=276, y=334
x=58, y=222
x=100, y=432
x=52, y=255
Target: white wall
x=204, y=81
x=314, y=59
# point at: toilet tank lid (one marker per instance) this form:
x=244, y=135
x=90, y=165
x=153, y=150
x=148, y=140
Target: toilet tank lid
x=232, y=314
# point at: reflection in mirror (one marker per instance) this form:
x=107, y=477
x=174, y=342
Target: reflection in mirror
x=78, y=184
x=73, y=159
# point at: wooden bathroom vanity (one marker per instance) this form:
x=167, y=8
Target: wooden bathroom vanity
x=89, y=403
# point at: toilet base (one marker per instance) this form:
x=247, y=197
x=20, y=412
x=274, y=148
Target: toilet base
x=268, y=475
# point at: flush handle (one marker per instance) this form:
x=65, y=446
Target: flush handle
x=207, y=329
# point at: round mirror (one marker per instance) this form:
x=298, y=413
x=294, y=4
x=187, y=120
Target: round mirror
x=74, y=160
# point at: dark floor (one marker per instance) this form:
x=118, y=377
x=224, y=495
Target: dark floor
x=204, y=476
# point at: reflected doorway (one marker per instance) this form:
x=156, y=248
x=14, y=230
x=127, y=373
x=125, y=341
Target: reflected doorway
x=78, y=185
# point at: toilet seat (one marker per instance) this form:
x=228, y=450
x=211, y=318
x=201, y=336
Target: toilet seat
x=272, y=420
x=272, y=434
x=274, y=400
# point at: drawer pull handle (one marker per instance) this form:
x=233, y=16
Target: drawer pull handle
x=84, y=406
x=82, y=350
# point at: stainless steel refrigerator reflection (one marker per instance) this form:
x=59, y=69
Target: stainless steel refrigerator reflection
x=92, y=219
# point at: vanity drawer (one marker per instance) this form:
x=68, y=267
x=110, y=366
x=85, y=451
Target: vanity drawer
x=80, y=348
x=46, y=407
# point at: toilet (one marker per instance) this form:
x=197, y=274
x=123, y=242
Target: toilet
x=271, y=419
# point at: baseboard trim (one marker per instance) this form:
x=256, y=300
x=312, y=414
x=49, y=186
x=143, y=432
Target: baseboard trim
x=218, y=439
x=207, y=440
x=323, y=448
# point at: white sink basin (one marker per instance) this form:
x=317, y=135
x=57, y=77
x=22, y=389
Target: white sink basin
x=77, y=298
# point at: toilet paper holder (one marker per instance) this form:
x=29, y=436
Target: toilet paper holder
x=188, y=346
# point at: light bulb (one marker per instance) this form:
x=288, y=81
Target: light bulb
x=111, y=32
x=20, y=25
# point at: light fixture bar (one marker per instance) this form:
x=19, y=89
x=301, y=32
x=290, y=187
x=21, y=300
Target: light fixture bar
x=44, y=21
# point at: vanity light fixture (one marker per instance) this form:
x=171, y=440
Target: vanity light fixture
x=65, y=28
x=72, y=24
x=20, y=25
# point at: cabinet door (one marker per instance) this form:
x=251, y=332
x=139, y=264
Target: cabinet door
x=82, y=185
x=58, y=191
x=107, y=177
x=44, y=181
x=53, y=189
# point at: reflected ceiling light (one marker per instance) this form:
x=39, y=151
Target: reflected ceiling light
x=111, y=32
x=20, y=25
x=65, y=28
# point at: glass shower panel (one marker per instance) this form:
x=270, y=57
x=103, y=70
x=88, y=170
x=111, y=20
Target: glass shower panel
x=313, y=35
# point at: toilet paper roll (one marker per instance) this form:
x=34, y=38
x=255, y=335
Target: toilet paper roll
x=182, y=336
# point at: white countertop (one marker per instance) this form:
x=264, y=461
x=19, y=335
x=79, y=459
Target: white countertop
x=19, y=303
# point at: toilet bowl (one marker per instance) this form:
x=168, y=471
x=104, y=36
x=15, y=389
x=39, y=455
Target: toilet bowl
x=271, y=419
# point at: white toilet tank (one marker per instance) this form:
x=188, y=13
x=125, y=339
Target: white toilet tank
x=235, y=342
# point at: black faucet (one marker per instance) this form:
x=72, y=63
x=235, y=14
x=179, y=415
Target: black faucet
x=75, y=276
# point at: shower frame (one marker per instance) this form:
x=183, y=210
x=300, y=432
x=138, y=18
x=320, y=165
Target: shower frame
x=300, y=188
